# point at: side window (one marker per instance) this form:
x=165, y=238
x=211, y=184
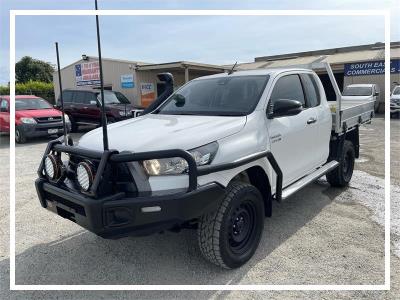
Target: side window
x=311, y=90
x=81, y=97
x=288, y=87
x=67, y=96
x=4, y=105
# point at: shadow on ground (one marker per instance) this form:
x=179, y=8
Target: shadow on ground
x=168, y=258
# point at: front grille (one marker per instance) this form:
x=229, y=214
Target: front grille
x=118, y=178
x=48, y=119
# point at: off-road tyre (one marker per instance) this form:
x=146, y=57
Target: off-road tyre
x=341, y=176
x=219, y=243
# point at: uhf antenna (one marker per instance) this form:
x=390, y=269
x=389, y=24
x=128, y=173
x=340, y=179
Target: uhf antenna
x=61, y=95
x=233, y=69
x=103, y=109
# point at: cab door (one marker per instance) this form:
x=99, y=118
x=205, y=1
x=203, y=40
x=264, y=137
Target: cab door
x=294, y=139
x=4, y=116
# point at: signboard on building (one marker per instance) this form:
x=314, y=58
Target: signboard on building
x=371, y=68
x=147, y=93
x=87, y=73
x=127, y=81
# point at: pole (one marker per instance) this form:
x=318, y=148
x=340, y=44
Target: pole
x=103, y=109
x=61, y=95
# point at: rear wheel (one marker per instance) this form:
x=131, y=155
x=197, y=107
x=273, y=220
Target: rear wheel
x=20, y=137
x=341, y=176
x=229, y=236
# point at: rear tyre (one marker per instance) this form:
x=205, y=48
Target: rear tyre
x=20, y=137
x=341, y=176
x=229, y=236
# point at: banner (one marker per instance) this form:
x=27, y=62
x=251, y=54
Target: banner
x=371, y=68
x=147, y=93
x=87, y=73
x=127, y=81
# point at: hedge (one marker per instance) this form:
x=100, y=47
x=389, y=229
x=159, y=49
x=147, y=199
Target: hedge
x=37, y=88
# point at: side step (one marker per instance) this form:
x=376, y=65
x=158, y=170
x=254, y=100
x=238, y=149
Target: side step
x=299, y=184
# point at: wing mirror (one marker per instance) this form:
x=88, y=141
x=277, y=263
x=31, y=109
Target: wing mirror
x=94, y=102
x=376, y=94
x=283, y=108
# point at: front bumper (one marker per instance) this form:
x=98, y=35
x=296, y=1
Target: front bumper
x=117, y=216
x=42, y=129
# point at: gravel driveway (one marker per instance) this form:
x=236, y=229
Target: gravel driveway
x=321, y=235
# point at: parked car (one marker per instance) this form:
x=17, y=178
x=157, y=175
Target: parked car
x=395, y=102
x=362, y=92
x=84, y=107
x=34, y=117
x=211, y=157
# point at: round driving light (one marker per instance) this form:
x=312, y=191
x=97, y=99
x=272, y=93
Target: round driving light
x=52, y=167
x=84, y=175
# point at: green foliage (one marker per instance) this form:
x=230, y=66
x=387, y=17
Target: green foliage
x=37, y=88
x=29, y=69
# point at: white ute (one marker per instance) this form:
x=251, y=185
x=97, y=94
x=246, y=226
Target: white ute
x=255, y=136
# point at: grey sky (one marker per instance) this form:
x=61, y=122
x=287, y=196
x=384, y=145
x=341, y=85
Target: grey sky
x=218, y=40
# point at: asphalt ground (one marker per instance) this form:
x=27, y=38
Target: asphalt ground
x=321, y=235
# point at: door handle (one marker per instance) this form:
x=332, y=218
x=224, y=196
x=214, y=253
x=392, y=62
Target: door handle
x=311, y=120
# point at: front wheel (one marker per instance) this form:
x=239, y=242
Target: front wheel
x=341, y=176
x=20, y=137
x=229, y=236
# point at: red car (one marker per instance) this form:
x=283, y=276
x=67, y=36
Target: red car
x=34, y=117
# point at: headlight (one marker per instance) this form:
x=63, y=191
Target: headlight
x=176, y=165
x=52, y=167
x=28, y=120
x=122, y=113
x=85, y=175
x=66, y=118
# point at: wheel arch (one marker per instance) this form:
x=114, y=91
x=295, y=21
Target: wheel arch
x=257, y=177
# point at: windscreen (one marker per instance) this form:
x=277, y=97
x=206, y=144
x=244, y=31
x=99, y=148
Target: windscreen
x=357, y=91
x=224, y=96
x=31, y=104
x=113, y=98
x=396, y=91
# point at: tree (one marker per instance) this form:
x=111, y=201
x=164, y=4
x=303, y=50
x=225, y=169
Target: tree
x=29, y=69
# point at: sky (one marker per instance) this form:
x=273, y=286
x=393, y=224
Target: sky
x=204, y=39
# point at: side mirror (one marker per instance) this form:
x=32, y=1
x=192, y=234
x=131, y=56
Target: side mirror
x=376, y=94
x=179, y=100
x=94, y=102
x=284, y=107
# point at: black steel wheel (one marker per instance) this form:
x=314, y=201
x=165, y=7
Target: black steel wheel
x=341, y=176
x=229, y=236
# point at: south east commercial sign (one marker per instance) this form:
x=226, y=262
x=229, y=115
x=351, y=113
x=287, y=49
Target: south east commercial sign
x=87, y=73
x=371, y=68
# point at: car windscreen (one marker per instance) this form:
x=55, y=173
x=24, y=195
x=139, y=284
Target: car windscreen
x=396, y=91
x=113, y=98
x=225, y=96
x=357, y=91
x=31, y=104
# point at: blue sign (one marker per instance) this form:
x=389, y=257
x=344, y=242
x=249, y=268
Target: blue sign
x=127, y=81
x=371, y=68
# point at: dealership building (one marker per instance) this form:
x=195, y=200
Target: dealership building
x=138, y=80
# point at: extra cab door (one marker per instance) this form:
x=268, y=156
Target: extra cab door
x=294, y=139
x=4, y=116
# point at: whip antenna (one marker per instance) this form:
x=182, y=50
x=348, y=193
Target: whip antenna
x=61, y=95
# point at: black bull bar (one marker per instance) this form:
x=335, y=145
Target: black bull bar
x=113, y=156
